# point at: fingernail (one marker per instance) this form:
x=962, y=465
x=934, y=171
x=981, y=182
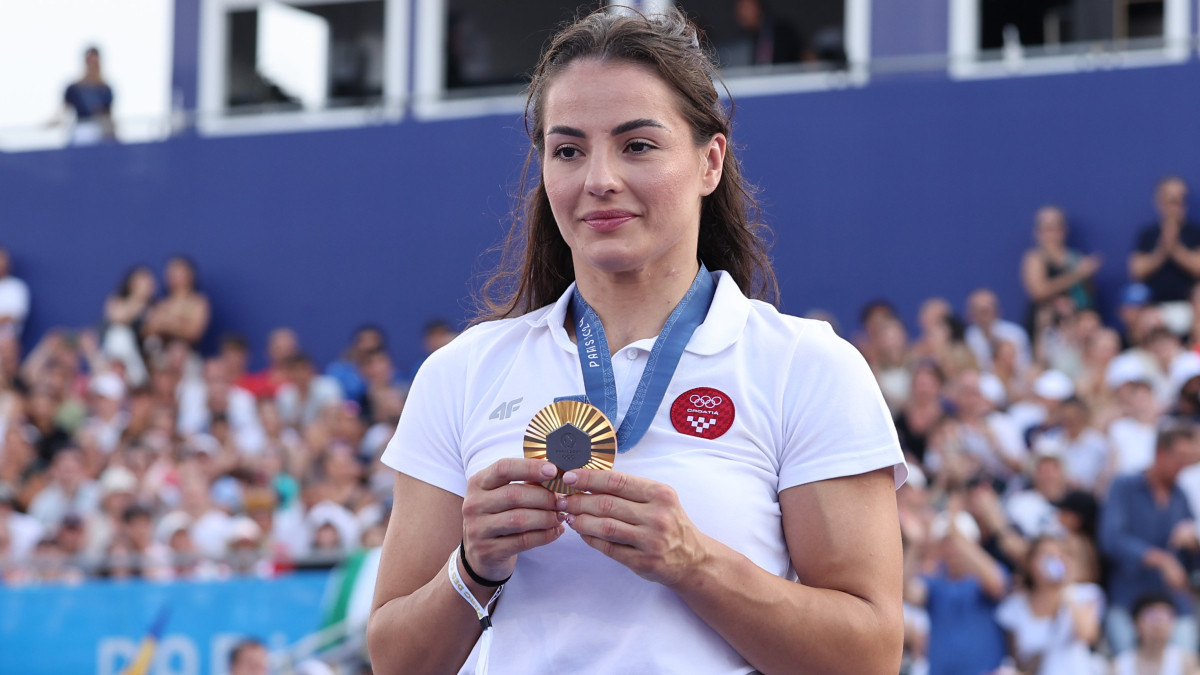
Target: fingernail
x=561, y=516
x=570, y=520
x=562, y=504
x=548, y=470
x=570, y=477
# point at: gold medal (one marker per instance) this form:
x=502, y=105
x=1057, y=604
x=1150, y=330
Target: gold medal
x=571, y=435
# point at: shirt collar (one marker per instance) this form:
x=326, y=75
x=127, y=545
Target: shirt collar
x=720, y=329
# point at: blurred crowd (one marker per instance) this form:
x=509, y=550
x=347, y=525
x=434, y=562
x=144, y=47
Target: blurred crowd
x=1048, y=520
x=124, y=453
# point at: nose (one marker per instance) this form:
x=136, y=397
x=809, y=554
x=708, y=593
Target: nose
x=602, y=178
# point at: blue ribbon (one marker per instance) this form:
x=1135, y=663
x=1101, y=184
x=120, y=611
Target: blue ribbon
x=594, y=358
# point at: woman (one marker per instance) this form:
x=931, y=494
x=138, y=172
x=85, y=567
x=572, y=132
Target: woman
x=124, y=314
x=923, y=409
x=679, y=559
x=1050, y=269
x=1052, y=623
x=184, y=313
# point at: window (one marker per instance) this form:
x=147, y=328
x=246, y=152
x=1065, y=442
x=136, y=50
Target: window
x=48, y=38
x=1000, y=37
x=300, y=64
x=474, y=56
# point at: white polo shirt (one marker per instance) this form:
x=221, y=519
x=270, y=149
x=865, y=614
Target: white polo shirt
x=805, y=408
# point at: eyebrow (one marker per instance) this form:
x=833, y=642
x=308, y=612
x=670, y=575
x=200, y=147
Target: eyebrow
x=622, y=128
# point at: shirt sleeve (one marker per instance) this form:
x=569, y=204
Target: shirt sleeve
x=427, y=442
x=835, y=420
x=1117, y=527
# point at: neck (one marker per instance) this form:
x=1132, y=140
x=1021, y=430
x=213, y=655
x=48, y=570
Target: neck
x=634, y=305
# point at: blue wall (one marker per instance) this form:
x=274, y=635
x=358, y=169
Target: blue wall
x=904, y=189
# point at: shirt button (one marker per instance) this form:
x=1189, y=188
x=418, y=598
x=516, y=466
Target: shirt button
x=631, y=354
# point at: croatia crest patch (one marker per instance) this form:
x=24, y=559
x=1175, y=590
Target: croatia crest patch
x=704, y=412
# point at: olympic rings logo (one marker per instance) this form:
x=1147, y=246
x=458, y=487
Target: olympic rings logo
x=709, y=402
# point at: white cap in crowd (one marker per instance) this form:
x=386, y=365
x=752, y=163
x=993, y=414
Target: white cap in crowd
x=107, y=385
x=963, y=522
x=1054, y=385
x=1124, y=369
x=1183, y=368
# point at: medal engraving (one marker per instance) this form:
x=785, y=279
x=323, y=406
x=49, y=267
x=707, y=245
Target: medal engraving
x=571, y=435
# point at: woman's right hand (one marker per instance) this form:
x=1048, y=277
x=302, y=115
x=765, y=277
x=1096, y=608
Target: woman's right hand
x=506, y=512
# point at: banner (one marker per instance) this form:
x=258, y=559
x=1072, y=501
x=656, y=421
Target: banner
x=100, y=627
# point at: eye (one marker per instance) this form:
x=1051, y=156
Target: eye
x=639, y=147
x=566, y=152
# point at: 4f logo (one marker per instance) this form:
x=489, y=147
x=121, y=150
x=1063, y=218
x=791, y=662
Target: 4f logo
x=505, y=410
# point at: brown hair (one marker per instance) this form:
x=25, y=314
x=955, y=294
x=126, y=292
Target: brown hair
x=535, y=265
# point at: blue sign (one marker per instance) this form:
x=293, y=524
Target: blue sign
x=98, y=627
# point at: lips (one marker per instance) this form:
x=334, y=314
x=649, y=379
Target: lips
x=608, y=220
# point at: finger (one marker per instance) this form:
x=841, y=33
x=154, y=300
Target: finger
x=633, y=488
x=512, y=469
x=621, y=553
x=484, y=553
x=514, y=521
x=508, y=497
x=602, y=505
x=607, y=529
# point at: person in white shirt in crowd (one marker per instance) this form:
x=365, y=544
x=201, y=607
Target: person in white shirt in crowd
x=69, y=491
x=14, y=299
x=138, y=529
x=210, y=524
x=216, y=395
x=107, y=420
x=1052, y=622
x=1085, y=449
x=1132, y=436
x=22, y=530
x=980, y=432
x=1033, y=510
x=306, y=394
x=118, y=490
x=1154, y=618
x=988, y=329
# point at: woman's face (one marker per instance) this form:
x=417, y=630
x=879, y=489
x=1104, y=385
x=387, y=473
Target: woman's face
x=1051, y=228
x=622, y=173
x=143, y=285
x=1049, y=564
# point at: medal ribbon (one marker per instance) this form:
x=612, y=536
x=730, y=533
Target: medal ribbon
x=594, y=358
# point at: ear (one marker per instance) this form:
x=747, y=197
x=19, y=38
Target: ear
x=713, y=158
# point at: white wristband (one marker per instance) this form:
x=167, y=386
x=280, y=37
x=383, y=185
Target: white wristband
x=481, y=611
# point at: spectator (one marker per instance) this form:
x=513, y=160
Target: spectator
x=960, y=594
x=1132, y=436
x=138, y=531
x=1052, y=269
x=124, y=316
x=348, y=371
x=282, y=345
x=1166, y=255
x=107, y=421
x=184, y=313
x=1032, y=510
x=1085, y=448
x=922, y=411
x=1155, y=619
x=22, y=532
x=306, y=394
x=118, y=490
x=982, y=436
x=202, y=404
x=14, y=299
x=766, y=38
x=987, y=330
x=248, y=657
x=436, y=334
x=90, y=100
x=1144, y=526
x=69, y=491
x=1052, y=622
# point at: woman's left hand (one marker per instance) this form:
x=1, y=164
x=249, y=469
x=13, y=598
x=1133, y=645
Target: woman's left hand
x=635, y=521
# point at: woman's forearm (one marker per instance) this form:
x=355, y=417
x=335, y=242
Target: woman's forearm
x=781, y=626
x=431, y=630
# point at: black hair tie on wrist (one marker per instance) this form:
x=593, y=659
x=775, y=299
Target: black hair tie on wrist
x=462, y=557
